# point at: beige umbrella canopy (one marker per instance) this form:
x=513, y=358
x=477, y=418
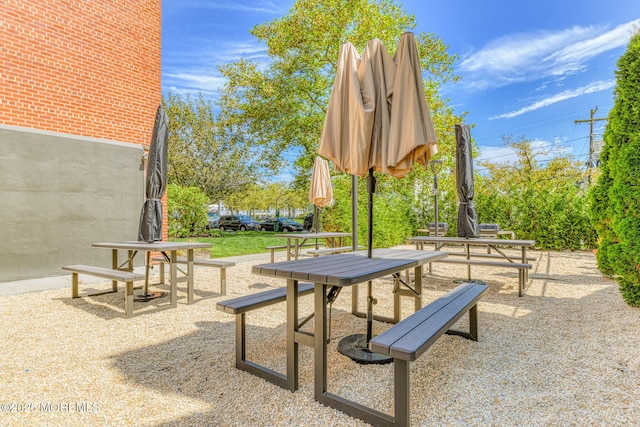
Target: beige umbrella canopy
x=377, y=115
x=320, y=191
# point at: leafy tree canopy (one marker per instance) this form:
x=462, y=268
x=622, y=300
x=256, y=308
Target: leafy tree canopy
x=283, y=106
x=200, y=155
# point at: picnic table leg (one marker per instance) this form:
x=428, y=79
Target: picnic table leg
x=354, y=299
x=320, y=340
x=417, y=278
x=190, y=284
x=292, y=328
x=114, y=265
x=524, y=274
x=288, y=249
x=401, y=392
x=468, y=257
x=173, y=278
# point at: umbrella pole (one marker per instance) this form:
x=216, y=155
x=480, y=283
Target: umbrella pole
x=146, y=273
x=354, y=213
x=371, y=188
x=356, y=346
x=315, y=216
x=146, y=295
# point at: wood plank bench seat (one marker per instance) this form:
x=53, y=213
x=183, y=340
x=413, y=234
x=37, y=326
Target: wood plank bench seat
x=239, y=307
x=522, y=268
x=515, y=258
x=207, y=262
x=407, y=340
x=329, y=251
x=273, y=249
x=128, y=277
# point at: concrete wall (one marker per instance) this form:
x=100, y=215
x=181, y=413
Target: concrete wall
x=58, y=194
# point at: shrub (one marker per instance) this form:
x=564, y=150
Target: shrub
x=187, y=211
x=614, y=200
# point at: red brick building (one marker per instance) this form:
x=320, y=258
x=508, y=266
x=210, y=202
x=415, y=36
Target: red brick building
x=80, y=82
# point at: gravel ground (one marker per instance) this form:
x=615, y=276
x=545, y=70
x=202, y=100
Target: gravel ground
x=564, y=354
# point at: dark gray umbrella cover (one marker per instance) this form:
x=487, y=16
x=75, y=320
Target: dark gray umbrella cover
x=467, y=219
x=150, y=229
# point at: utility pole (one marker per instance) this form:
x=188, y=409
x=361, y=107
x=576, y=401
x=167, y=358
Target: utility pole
x=591, y=120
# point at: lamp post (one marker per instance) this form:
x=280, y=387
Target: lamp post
x=436, y=165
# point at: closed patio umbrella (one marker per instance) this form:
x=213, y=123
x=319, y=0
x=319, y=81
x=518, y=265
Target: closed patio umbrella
x=377, y=120
x=467, y=219
x=150, y=228
x=320, y=191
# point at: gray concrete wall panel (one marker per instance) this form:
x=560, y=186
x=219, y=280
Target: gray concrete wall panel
x=60, y=193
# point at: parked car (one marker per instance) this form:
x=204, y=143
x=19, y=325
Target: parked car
x=213, y=219
x=307, y=224
x=284, y=224
x=237, y=223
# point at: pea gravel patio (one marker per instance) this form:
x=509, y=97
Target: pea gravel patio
x=567, y=353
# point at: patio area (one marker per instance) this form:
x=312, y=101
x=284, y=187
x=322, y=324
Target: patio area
x=566, y=353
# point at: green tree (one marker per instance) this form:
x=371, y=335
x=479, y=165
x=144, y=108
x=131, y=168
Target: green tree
x=200, y=155
x=614, y=200
x=543, y=203
x=283, y=106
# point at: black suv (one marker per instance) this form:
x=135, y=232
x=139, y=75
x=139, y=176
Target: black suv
x=237, y=222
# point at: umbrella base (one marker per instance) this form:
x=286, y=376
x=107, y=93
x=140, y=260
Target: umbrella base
x=355, y=347
x=149, y=296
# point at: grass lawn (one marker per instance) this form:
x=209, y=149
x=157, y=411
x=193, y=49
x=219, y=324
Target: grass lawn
x=239, y=242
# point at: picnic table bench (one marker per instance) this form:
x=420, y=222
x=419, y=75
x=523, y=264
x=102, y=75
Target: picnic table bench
x=330, y=251
x=273, y=249
x=407, y=340
x=206, y=262
x=115, y=275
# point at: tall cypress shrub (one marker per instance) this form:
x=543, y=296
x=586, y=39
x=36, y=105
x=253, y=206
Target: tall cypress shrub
x=615, y=200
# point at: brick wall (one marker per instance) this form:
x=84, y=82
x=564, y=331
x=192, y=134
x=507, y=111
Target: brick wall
x=87, y=68
x=80, y=82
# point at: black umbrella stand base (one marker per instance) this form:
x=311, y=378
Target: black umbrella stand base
x=355, y=347
x=479, y=282
x=149, y=296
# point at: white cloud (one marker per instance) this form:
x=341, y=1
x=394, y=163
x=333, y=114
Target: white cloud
x=199, y=70
x=564, y=95
x=534, y=56
x=202, y=82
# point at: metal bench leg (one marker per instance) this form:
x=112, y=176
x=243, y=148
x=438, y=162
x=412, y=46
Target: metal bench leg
x=520, y=282
x=241, y=343
x=128, y=300
x=473, y=322
x=74, y=285
x=223, y=281
x=401, y=392
x=473, y=326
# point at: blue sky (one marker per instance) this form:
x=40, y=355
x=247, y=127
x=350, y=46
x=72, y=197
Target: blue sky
x=528, y=68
